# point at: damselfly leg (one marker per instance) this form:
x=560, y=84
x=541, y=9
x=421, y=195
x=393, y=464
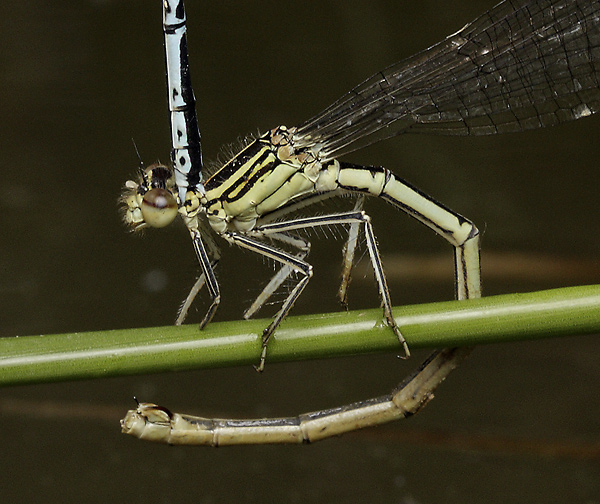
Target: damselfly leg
x=214, y=254
x=352, y=218
x=348, y=254
x=303, y=247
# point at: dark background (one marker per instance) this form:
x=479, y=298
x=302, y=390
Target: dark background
x=78, y=80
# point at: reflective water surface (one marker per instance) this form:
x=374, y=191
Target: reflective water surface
x=79, y=80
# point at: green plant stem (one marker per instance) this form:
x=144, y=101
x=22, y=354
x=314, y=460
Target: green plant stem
x=59, y=357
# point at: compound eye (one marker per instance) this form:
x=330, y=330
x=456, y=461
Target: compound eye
x=159, y=208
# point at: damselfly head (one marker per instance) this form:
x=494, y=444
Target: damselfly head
x=152, y=200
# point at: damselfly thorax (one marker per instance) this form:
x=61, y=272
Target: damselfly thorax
x=263, y=177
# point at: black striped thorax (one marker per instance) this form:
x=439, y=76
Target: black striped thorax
x=262, y=177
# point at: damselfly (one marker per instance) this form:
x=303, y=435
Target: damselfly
x=522, y=65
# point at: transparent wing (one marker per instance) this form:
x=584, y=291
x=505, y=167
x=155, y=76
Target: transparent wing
x=521, y=65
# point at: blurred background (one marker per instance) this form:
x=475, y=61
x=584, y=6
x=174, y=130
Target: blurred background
x=80, y=79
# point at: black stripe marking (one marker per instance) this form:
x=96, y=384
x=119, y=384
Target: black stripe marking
x=247, y=182
x=170, y=29
x=180, y=10
x=232, y=167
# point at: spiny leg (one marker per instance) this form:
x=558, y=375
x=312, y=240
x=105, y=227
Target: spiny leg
x=284, y=272
x=351, y=243
x=347, y=218
x=209, y=275
x=184, y=309
x=348, y=253
x=286, y=259
x=215, y=254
